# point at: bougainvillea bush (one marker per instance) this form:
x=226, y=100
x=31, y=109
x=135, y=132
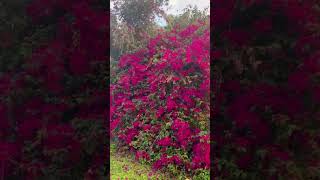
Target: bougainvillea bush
x=53, y=106
x=266, y=89
x=160, y=102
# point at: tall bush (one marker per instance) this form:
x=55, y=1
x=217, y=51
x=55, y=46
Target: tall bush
x=160, y=103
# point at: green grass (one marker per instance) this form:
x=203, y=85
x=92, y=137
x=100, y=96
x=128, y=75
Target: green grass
x=124, y=167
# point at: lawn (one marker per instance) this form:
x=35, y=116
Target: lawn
x=124, y=167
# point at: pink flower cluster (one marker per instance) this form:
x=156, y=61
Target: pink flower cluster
x=165, y=160
x=201, y=157
x=182, y=132
x=166, y=141
x=143, y=155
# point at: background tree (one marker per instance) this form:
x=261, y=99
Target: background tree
x=189, y=15
x=139, y=13
x=132, y=23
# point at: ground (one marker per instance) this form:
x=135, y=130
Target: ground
x=125, y=167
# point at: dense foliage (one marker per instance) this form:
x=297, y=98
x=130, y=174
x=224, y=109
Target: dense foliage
x=188, y=16
x=132, y=24
x=139, y=13
x=160, y=102
x=53, y=104
x=266, y=81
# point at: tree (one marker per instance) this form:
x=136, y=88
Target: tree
x=132, y=22
x=138, y=13
x=190, y=15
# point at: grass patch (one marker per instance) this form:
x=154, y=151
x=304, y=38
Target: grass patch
x=126, y=167
x=123, y=166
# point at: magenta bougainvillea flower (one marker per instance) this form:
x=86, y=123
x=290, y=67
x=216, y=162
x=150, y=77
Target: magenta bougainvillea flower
x=166, y=141
x=143, y=155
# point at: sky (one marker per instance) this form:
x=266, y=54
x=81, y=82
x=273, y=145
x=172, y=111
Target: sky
x=176, y=6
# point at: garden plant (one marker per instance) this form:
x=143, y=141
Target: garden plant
x=160, y=102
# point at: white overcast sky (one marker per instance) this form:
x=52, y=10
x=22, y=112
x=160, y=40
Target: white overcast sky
x=176, y=6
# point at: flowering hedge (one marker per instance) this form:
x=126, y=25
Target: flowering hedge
x=53, y=106
x=160, y=103
x=266, y=79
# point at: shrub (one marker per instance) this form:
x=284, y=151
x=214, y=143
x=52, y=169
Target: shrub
x=160, y=103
